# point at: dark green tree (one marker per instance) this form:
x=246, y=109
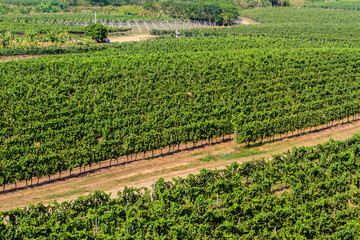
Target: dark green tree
x=98, y=32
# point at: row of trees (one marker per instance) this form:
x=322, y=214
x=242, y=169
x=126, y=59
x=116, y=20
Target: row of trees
x=214, y=12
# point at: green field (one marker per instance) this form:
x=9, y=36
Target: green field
x=306, y=193
x=295, y=70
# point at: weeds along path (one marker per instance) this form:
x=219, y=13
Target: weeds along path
x=145, y=172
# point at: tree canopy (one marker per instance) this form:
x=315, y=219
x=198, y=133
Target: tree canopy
x=98, y=32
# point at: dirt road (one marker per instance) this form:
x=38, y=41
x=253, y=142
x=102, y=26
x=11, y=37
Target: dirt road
x=145, y=172
x=130, y=38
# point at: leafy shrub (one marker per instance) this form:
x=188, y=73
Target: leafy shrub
x=98, y=32
x=25, y=10
x=4, y=9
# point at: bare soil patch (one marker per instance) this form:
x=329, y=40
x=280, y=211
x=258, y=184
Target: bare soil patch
x=245, y=21
x=352, y=204
x=18, y=57
x=130, y=38
x=280, y=191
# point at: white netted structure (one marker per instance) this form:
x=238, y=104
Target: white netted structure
x=143, y=26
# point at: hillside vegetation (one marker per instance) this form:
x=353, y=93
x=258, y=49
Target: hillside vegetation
x=295, y=70
x=70, y=111
x=305, y=193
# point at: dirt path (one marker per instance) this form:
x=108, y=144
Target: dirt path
x=145, y=172
x=245, y=21
x=18, y=57
x=130, y=38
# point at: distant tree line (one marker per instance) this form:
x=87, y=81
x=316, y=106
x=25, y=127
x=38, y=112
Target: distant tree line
x=115, y=2
x=221, y=13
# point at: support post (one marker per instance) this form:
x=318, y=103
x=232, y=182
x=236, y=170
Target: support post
x=95, y=226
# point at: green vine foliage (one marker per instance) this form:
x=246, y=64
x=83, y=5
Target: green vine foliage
x=98, y=32
x=305, y=193
x=59, y=113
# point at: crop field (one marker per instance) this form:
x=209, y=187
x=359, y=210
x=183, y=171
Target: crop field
x=86, y=115
x=74, y=23
x=341, y=4
x=197, y=77
x=295, y=195
x=307, y=24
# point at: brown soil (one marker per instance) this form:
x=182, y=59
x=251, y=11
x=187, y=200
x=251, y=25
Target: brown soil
x=130, y=38
x=144, y=172
x=19, y=57
x=246, y=21
x=280, y=191
x=352, y=204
